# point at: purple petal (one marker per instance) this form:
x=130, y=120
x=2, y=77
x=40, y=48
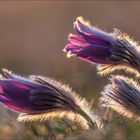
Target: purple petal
x=72, y=48
x=94, y=54
x=83, y=28
x=77, y=40
x=91, y=53
x=16, y=93
x=90, y=44
x=32, y=95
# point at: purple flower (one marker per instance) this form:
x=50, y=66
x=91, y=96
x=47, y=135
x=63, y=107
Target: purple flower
x=123, y=96
x=41, y=98
x=111, y=51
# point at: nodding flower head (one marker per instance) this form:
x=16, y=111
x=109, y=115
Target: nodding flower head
x=123, y=96
x=111, y=51
x=41, y=98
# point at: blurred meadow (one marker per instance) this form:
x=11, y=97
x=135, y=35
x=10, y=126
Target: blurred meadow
x=32, y=36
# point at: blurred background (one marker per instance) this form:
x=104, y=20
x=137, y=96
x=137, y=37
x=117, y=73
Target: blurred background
x=32, y=36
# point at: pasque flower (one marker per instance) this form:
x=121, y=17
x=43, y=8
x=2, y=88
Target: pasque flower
x=41, y=98
x=111, y=51
x=123, y=96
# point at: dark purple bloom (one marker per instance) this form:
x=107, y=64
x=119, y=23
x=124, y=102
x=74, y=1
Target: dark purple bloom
x=41, y=98
x=110, y=50
x=123, y=96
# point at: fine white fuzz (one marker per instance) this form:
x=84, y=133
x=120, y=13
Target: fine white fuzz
x=122, y=96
